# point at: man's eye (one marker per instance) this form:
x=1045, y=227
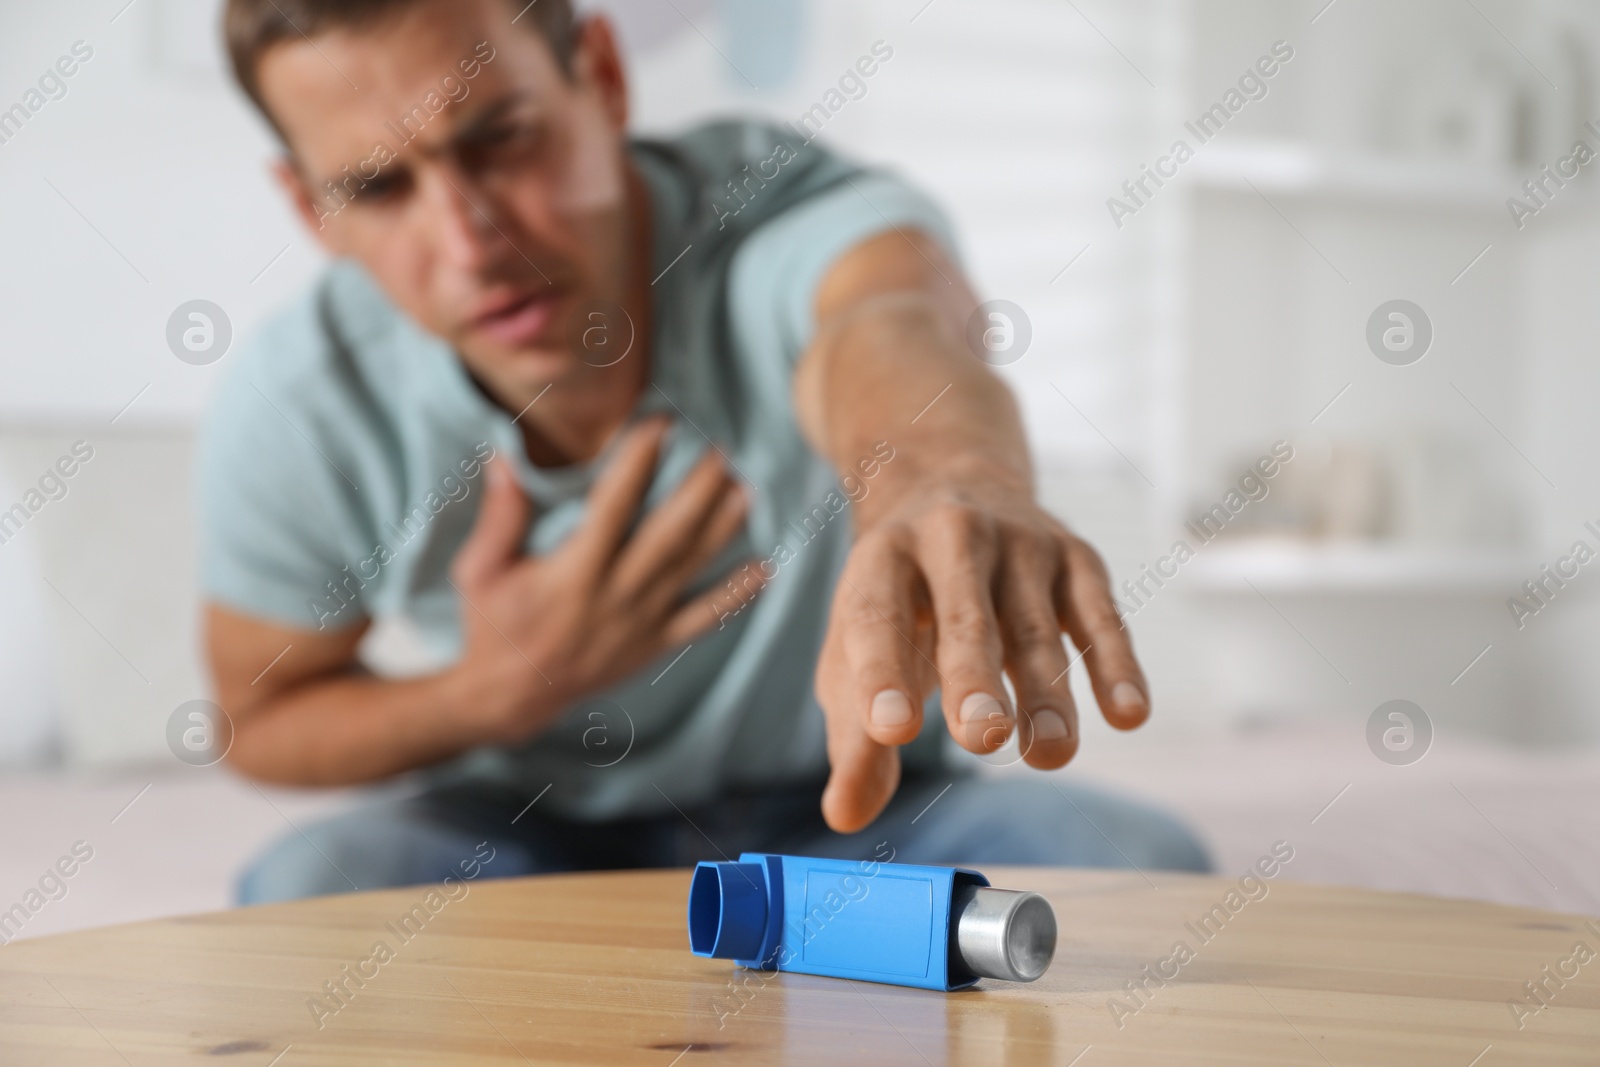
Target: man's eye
x=383, y=187
x=496, y=135
x=510, y=137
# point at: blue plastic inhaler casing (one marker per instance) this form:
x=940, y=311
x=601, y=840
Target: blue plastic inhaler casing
x=865, y=919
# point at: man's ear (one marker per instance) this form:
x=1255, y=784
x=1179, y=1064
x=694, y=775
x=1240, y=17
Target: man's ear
x=312, y=210
x=597, y=63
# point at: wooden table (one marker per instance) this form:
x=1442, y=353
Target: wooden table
x=596, y=969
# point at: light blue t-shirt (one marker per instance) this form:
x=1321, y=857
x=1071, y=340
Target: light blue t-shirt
x=341, y=471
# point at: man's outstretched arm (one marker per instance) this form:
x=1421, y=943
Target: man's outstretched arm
x=956, y=575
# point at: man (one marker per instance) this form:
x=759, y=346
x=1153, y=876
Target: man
x=634, y=435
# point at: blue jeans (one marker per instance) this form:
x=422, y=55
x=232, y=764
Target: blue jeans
x=944, y=819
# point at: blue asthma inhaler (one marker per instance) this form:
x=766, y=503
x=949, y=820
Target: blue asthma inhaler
x=900, y=923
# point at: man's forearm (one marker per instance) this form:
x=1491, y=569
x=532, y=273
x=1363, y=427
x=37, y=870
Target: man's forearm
x=893, y=369
x=356, y=728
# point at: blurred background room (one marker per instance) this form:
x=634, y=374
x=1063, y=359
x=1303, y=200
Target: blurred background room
x=1370, y=272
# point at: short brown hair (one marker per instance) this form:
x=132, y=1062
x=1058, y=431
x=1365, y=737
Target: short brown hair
x=251, y=27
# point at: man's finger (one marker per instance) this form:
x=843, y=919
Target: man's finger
x=667, y=585
x=956, y=551
x=874, y=614
x=863, y=774
x=498, y=533
x=673, y=530
x=1089, y=615
x=715, y=608
x=862, y=779
x=615, y=498
x=1047, y=716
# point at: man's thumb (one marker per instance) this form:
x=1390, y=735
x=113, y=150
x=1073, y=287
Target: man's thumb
x=497, y=536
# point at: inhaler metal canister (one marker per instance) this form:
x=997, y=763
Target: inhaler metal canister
x=900, y=923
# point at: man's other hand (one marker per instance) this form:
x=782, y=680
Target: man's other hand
x=541, y=632
x=544, y=631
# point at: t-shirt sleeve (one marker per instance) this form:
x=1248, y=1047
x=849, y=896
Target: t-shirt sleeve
x=271, y=508
x=779, y=267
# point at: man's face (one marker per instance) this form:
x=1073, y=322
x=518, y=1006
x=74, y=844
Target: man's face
x=451, y=156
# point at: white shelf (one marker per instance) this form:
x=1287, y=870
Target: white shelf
x=1354, y=569
x=1287, y=168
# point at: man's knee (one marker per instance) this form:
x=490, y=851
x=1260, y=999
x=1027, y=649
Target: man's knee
x=297, y=865
x=1136, y=834
x=377, y=847
x=1032, y=821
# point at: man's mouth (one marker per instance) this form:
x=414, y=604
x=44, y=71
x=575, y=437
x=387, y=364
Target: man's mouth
x=518, y=320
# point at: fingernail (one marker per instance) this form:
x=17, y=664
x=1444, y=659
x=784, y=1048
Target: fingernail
x=890, y=708
x=1049, y=725
x=983, y=704
x=1127, y=697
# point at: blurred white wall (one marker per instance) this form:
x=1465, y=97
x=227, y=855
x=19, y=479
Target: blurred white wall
x=1168, y=353
x=141, y=188
x=29, y=732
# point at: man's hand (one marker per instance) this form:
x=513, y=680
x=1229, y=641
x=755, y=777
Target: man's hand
x=540, y=632
x=544, y=631
x=954, y=583
x=957, y=578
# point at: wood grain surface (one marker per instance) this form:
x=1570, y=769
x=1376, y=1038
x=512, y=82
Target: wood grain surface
x=595, y=969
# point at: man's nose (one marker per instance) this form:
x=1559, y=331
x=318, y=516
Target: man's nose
x=469, y=234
